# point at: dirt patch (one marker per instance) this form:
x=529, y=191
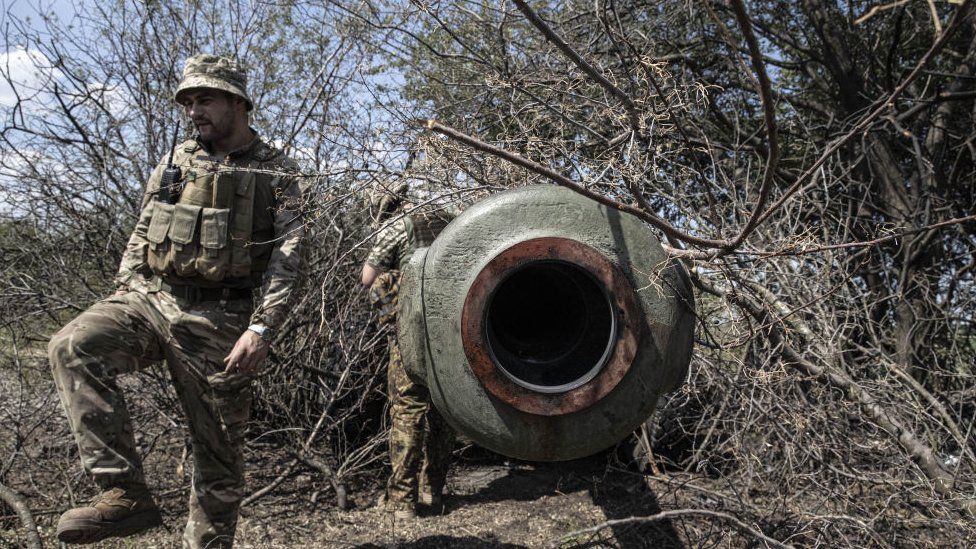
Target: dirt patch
x=511, y=505
x=493, y=502
x=499, y=504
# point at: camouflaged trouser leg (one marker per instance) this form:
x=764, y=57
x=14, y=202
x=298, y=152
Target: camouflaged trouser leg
x=419, y=437
x=217, y=408
x=123, y=333
x=438, y=445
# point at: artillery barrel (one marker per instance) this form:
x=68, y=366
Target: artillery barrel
x=545, y=324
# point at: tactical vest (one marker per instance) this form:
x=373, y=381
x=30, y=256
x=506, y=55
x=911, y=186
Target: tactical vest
x=423, y=228
x=209, y=232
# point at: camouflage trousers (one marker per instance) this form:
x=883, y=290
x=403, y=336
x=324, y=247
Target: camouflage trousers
x=420, y=439
x=124, y=333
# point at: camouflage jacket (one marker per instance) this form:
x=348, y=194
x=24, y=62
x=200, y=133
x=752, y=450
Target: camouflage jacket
x=394, y=245
x=277, y=227
x=398, y=240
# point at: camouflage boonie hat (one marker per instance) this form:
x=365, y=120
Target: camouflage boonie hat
x=216, y=72
x=381, y=198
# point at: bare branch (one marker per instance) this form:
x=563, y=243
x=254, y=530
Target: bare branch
x=668, y=515
x=17, y=503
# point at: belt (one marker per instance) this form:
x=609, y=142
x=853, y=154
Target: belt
x=196, y=294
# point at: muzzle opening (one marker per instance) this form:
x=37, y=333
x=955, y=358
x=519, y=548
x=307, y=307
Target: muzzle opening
x=550, y=326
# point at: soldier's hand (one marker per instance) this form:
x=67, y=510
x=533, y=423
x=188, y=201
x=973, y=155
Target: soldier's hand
x=248, y=354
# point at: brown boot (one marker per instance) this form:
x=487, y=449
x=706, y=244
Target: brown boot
x=115, y=513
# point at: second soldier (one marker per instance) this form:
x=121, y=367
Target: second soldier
x=420, y=441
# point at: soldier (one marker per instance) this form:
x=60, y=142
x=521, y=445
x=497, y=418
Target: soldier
x=420, y=441
x=230, y=224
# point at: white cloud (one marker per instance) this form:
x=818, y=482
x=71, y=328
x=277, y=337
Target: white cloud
x=24, y=67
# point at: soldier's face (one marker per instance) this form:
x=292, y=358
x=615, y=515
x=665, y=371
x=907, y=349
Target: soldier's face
x=215, y=114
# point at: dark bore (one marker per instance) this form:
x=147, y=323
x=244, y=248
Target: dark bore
x=550, y=326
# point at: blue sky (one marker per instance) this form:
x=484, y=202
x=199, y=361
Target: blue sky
x=28, y=9
x=15, y=57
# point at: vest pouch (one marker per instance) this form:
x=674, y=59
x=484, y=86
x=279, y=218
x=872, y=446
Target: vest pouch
x=225, y=188
x=158, y=237
x=198, y=189
x=183, y=245
x=213, y=258
x=241, y=225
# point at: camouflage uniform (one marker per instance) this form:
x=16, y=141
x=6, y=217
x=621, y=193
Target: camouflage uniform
x=190, y=321
x=420, y=440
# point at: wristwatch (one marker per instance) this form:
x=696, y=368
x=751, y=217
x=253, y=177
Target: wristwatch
x=263, y=331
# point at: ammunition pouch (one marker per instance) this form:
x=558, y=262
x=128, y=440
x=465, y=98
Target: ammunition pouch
x=207, y=234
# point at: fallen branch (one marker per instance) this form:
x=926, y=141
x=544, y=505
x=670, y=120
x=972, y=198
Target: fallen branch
x=666, y=515
x=274, y=484
x=339, y=487
x=342, y=495
x=16, y=501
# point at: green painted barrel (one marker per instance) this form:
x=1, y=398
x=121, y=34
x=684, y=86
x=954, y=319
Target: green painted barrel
x=545, y=324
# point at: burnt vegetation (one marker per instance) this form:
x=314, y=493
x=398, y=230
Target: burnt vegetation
x=811, y=163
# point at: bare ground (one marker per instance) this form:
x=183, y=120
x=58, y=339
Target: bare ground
x=492, y=503
x=501, y=505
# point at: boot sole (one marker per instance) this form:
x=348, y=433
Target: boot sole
x=82, y=531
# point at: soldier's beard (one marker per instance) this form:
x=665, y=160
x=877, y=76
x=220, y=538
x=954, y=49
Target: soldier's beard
x=215, y=128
